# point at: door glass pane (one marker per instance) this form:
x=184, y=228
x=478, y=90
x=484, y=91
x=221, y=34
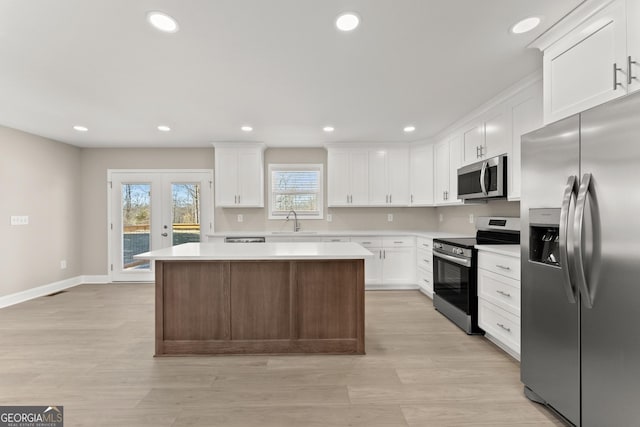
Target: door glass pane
x=185, y=211
x=136, y=225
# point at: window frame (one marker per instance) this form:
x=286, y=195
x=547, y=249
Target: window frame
x=314, y=167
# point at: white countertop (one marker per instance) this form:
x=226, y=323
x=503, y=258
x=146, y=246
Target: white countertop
x=429, y=234
x=508, y=250
x=258, y=251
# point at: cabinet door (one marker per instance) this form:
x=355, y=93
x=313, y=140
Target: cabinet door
x=579, y=69
x=399, y=266
x=442, y=171
x=526, y=116
x=422, y=176
x=633, y=44
x=338, y=178
x=398, y=177
x=250, y=178
x=472, y=141
x=226, y=175
x=359, y=177
x=373, y=267
x=495, y=134
x=378, y=189
x=454, y=164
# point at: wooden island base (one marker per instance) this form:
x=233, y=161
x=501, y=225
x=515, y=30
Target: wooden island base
x=259, y=307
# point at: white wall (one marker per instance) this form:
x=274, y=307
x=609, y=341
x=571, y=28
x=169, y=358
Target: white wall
x=456, y=218
x=39, y=178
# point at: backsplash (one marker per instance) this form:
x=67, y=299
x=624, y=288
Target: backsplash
x=455, y=219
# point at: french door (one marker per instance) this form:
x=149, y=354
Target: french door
x=151, y=210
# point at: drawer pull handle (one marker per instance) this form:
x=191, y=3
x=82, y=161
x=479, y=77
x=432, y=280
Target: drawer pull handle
x=425, y=245
x=397, y=242
x=506, y=294
x=504, y=327
x=366, y=243
x=426, y=280
x=504, y=267
x=426, y=260
x=335, y=240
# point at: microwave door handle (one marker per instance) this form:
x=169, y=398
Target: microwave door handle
x=483, y=172
x=567, y=198
x=583, y=194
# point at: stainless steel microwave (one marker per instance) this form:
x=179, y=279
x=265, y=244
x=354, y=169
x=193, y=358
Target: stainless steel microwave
x=483, y=180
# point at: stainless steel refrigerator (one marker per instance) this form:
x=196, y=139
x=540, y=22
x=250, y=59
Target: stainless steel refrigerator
x=580, y=210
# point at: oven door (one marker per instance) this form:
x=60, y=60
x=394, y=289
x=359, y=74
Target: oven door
x=452, y=279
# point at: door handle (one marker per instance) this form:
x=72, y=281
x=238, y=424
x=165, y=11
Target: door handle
x=630, y=63
x=581, y=202
x=615, y=77
x=165, y=234
x=569, y=195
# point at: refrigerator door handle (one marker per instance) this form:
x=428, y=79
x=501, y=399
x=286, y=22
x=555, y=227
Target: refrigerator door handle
x=581, y=203
x=483, y=171
x=569, y=195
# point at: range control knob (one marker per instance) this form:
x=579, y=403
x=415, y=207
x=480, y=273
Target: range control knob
x=437, y=245
x=458, y=251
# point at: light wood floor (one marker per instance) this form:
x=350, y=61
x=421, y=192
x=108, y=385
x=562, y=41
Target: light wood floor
x=91, y=350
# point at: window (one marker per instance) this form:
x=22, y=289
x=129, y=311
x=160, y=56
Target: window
x=295, y=187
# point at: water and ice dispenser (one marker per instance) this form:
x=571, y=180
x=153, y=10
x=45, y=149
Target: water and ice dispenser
x=544, y=236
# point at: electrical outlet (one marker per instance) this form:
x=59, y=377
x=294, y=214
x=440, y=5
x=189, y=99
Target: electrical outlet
x=329, y=217
x=240, y=218
x=441, y=217
x=19, y=220
x=389, y=217
x=63, y=264
x=471, y=219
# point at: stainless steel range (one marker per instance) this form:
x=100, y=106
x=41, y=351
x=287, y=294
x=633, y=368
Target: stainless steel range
x=455, y=276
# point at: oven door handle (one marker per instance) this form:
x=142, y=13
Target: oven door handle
x=460, y=261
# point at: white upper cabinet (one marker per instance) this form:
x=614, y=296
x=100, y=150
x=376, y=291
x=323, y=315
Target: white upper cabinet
x=389, y=177
x=447, y=162
x=526, y=115
x=239, y=175
x=586, y=62
x=348, y=177
x=486, y=137
x=421, y=176
x=633, y=45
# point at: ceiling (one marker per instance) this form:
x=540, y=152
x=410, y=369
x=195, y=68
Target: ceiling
x=277, y=65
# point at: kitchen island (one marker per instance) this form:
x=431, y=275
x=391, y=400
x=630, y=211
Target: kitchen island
x=259, y=298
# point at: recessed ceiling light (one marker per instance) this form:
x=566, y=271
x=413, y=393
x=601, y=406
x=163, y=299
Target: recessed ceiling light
x=80, y=128
x=163, y=128
x=246, y=128
x=409, y=129
x=525, y=25
x=162, y=22
x=348, y=21
x=328, y=129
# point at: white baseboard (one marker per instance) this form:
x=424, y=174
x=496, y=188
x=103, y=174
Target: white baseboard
x=511, y=352
x=39, y=291
x=96, y=279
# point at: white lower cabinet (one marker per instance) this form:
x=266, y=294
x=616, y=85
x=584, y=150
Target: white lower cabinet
x=424, y=265
x=499, y=300
x=393, y=263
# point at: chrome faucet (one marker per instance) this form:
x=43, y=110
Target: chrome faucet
x=296, y=224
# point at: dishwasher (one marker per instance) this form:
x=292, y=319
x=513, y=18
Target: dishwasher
x=244, y=239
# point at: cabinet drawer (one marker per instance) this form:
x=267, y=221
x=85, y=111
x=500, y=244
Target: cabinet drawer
x=425, y=281
x=398, y=242
x=425, y=259
x=500, y=290
x=500, y=264
x=336, y=239
x=499, y=323
x=368, y=242
x=424, y=243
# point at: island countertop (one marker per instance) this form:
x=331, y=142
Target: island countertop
x=259, y=251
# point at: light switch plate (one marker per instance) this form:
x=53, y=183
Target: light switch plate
x=19, y=220
x=329, y=217
x=390, y=217
x=471, y=219
x=240, y=218
x=441, y=217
